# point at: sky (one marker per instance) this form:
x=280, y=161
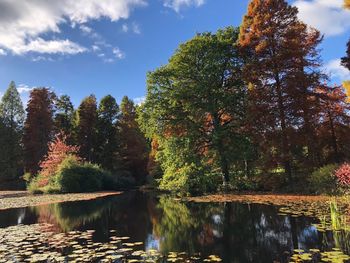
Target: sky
x=80, y=47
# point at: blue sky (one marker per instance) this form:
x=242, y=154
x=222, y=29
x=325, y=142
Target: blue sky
x=79, y=47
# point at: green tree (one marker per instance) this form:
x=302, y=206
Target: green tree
x=86, y=128
x=108, y=145
x=64, y=115
x=11, y=118
x=133, y=144
x=38, y=128
x=199, y=96
x=346, y=59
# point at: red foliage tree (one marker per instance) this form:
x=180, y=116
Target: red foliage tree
x=58, y=151
x=38, y=128
x=283, y=70
x=343, y=174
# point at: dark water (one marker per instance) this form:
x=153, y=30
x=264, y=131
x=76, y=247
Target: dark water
x=234, y=231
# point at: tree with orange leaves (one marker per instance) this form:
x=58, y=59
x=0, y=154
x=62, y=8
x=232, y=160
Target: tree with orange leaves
x=38, y=128
x=282, y=67
x=334, y=122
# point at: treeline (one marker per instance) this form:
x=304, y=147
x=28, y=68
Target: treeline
x=104, y=133
x=250, y=105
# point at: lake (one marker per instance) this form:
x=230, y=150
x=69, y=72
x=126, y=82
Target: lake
x=145, y=227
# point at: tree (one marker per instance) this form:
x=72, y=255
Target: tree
x=335, y=121
x=86, y=127
x=64, y=115
x=108, y=145
x=133, y=145
x=11, y=118
x=58, y=151
x=283, y=69
x=198, y=98
x=346, y=85
x=38, y=128
x=347, y=4
x=346, y=60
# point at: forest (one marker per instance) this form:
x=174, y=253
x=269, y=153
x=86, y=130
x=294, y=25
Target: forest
x=246, y=108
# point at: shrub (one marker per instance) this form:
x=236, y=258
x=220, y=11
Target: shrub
x=73, y=176
x=323, y=180
x=343, y=175
x=189, y=179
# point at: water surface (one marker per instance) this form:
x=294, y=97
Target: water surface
x=234, y=231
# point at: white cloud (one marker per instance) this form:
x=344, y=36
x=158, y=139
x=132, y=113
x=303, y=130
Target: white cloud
x=328, y=16
x=42, y=58
x=95, y=48
x=109, y=60
x=336, y=70
x=23, y=23
x=125, y=28
x=118, y=53
x=177, y=5
x=42, y=46
x=23, y=88
x=134, y=27
x=2, y=52
x=85, y=29
x=139, y=100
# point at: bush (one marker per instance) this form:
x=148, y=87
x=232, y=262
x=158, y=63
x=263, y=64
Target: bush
x=323, y=180
x=189, y=179
x=343, y=175
x=73, y=176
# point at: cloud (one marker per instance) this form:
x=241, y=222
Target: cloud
x=336, y=70
x=85, y=29
x=2, y=52
x=139, y=100
x=125, y=28
x=328, y=16
x=177, y=5
x=134, y=27
x=118, y=53
x=42, y=46
x=23, y=23
x=23, y=88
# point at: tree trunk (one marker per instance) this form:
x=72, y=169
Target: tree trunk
x=334, y=138
x=285, y=142
x=220, y=150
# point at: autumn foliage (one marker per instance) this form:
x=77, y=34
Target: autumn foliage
x=38, y=128
x=343, y=174
x=58, y=151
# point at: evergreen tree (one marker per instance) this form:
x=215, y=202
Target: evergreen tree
x=38, y=128
x=11, y=121
x=86, y=128
x=346, y=60
x=64, y=115
x=108, y=115
x=133, y=145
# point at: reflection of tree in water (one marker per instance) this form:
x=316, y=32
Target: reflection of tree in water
x=72, y=215
x=14, y=216
x=237, y=232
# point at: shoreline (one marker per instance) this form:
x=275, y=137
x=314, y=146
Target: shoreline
x=22, y=199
